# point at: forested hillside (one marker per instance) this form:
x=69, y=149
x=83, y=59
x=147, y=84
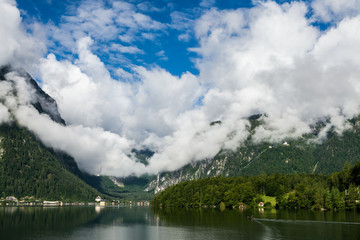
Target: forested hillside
x=305, y=154
x=28, y=168
x=308, y=191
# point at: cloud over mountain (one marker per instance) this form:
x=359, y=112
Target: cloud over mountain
x=270, y=58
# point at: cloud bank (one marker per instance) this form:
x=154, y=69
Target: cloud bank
x=17, y=47
x=271, y=58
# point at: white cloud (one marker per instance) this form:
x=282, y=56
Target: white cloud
x=207, y=3
x=5, y=89
x=125, y=49
x=16, y=46
x=95, y=150
x=134, y=109
x=270, y=59
x=69, y=86
x=251, y=41
x=148, y=7
x=200, y=140
x=161, y=55
x=105, y=23
x=183, y=22
x=335, y=10
x=8, y=45
x=4, y=114
x=123, y=75
x=267, y=59
x=338, y=45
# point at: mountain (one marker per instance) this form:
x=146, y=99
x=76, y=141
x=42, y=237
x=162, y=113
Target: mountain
x=341, y=190
x=40, y=100
x=28, y=167
x=301, y=155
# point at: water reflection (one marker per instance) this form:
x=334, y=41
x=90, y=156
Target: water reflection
x=146, y=223
x=19, y=222
x=268, y=224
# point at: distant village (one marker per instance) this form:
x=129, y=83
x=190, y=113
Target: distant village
x=98, y=201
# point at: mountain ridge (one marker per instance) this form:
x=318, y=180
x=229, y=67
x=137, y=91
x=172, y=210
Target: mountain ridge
x=41, y=101
x=291, y=155
x=299, y=155
x=27, y=166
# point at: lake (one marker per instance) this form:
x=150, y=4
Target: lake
x=80, y=223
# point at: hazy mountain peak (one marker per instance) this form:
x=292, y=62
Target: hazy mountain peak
x=39, y=99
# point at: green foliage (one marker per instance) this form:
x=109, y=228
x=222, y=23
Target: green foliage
x=143, y=155
x=132, y=189
x=290, y=156
x=269, y=201
x=28, y=168
x=305, y=191
x=337, y=149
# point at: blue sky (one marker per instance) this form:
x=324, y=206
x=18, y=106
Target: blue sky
x=155, y=74
x=165, y=49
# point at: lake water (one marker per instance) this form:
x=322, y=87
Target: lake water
x=84, y=223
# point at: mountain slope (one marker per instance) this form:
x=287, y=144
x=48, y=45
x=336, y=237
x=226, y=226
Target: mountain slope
x=332, y=154
x=27, y=167
x=294, y=191
x=40, y=100
x=301, y=155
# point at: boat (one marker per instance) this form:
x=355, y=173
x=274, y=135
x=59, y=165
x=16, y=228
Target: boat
x=250, y=217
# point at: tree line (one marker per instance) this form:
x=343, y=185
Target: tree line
x=28, y=168
x=340, y=190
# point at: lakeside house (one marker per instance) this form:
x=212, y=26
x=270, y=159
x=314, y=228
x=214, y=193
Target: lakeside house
x=52, y=203
x=100, y=200
x=11, y=199
x=143, y=203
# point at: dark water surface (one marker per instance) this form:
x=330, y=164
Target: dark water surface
x=80, y=223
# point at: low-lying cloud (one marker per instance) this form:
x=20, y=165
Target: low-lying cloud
x=270, y=59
